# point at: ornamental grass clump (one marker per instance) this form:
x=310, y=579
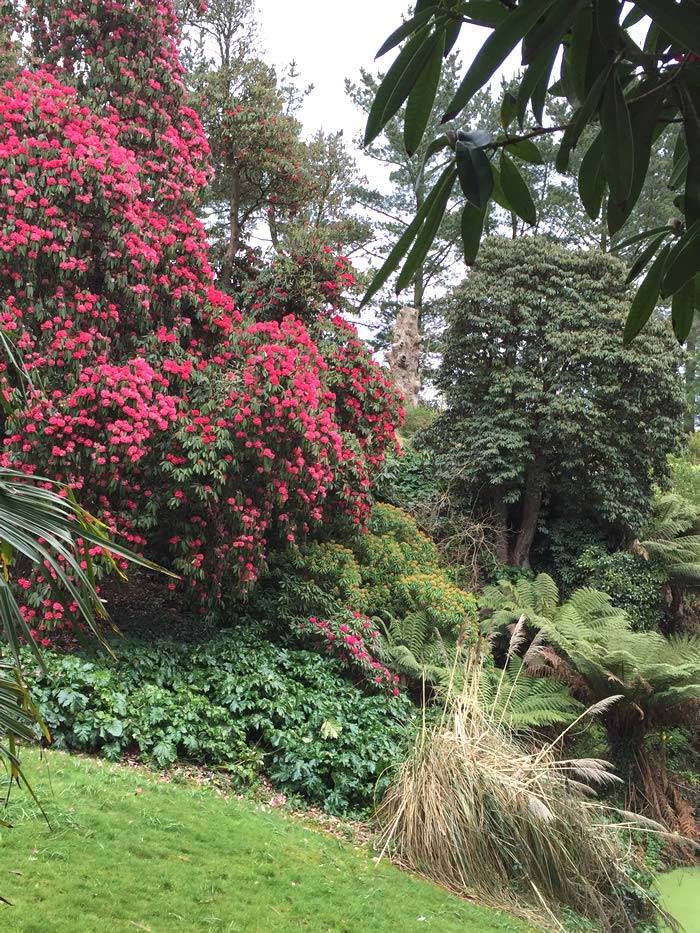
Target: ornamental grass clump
x=477, y=809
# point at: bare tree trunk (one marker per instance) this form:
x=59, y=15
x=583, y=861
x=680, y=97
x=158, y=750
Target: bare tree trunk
x=532, y=502
x=405, y=355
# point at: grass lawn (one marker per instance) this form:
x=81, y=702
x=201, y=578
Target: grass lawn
x=129, y=852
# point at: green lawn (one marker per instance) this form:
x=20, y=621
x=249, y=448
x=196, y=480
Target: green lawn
x=129, y=852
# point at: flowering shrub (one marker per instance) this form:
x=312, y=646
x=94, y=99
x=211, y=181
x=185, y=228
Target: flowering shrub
x=353, y=640
x=304, y=279
x=198, y=433
x=343, y=596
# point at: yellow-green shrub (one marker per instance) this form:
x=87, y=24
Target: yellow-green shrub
x=447, y=606
x=402, y=527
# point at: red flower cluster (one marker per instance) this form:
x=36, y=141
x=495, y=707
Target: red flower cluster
x=199, y=435
x=348, y=641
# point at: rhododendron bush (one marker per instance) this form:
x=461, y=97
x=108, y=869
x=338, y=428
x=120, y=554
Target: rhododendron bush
x=202, y=434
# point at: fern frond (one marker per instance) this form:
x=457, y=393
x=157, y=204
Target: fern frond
x=546, y=593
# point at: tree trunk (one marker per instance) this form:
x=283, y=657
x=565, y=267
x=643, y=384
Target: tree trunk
x=405, y=355
x=532, y=502
x=676, y=607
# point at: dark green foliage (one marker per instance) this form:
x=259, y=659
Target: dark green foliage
x=542, y=397
x=407, y=478
x=238, y=703
x=685, y=478
x=632, y=583
x=560, y=545
x=677, y=746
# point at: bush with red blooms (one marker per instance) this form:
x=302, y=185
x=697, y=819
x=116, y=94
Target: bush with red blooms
x=200, y=435
x=353, y=639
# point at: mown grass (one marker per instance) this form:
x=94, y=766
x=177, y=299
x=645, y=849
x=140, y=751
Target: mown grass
x=129, y=852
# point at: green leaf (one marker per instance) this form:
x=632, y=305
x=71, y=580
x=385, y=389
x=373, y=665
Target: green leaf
x=680, y=162
x=397, y=83
x=618, y=141
x=533, y=85
x=574, y=64
x=422, y=96
x=607, y=27
x=689, y=105
x=526, y=150
x=682, y=24
x=472, y=228
x=645, y=257
x=495, y=50
x=638, y=237
x=581, y=119
x=517, y=191
x=547, y=33
x=452, y=31
x=645, y=300
x=425, y=238
x=483, y=12
x=474, y=171
x=644, y=119
x=409, y=235
x=406, y=29
x=683, y=310
x=591, y=178
x=497, y=195
x=509, y=109
x=683, y=261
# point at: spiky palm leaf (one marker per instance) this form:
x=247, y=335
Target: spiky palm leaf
x=42, y=526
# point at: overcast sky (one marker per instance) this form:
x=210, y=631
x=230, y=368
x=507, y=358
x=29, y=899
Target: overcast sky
x=331, y=41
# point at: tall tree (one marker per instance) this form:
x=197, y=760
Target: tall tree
x=543, y=400
x=410, y=179
x=227, y=25
x=268, y=180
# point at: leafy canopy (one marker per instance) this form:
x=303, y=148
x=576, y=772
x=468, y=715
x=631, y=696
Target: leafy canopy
x=535, y=374
x=630, y=92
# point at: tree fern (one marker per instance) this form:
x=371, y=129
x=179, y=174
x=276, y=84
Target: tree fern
x=671, y=538
x=522, y=702
x=589, y=643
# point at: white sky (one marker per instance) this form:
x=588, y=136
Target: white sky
x=331, y=41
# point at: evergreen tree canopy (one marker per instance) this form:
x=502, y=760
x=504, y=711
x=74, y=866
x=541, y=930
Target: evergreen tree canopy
x=543, y=399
